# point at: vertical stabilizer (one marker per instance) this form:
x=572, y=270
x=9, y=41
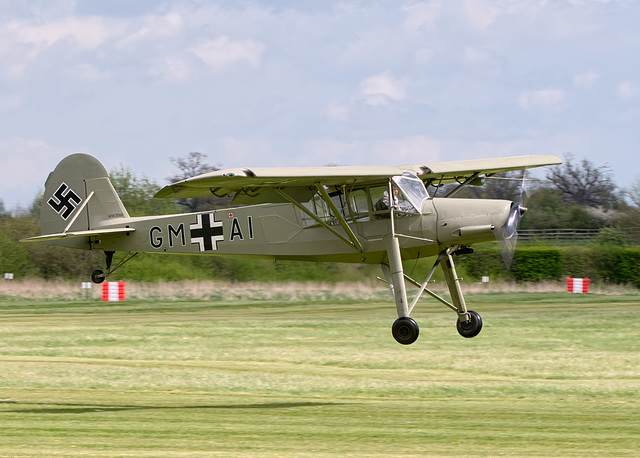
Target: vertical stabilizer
x=78, y=196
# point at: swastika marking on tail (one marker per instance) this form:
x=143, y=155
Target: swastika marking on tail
x=64, y=201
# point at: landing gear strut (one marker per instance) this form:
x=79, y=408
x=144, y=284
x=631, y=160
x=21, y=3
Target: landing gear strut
x=98, y=276
x=405, y=329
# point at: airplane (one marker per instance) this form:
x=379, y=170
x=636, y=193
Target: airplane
x=353, y=214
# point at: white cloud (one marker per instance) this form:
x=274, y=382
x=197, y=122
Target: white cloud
x=23, y=42
x=154, y=28
x=628, y=91
x=380, y=89
x=223, y=52
x=9, y=103
x=546, y=99
x=87, y=72
x=482, y=60
x=85, y=33
x=328, y=71
x=24, y=165
x=337, y=112
x=246, y=152
x=395, y=151
x=480, y=14
x=325, y=151
x=473, y=55
x=586, y=80
x=580, y=3
x=171, y=68
x=407, y=150
x=422, y=14
x=423, y=55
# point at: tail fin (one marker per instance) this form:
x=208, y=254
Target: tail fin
x=78, y=200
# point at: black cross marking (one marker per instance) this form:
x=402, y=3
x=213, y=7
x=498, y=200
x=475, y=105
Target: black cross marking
x=206, y=232
x=63, y=202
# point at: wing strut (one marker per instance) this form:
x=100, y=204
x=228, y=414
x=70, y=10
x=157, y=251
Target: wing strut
x=462, y=185
x=354, y=242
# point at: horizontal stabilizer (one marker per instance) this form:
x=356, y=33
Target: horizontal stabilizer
x=69, y=234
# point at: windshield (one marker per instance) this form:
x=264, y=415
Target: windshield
x=413, y=189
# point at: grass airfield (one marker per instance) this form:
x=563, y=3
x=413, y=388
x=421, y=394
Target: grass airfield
x=551, y=374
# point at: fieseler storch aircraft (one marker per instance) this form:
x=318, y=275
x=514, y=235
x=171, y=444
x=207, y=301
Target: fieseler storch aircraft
x=356, y=214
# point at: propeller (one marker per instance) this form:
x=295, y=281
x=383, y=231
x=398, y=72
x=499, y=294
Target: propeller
x=508, y=234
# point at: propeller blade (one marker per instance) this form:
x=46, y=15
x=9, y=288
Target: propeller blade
x=507, y=236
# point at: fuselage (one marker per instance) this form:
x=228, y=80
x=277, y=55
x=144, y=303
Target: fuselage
x=283, y=231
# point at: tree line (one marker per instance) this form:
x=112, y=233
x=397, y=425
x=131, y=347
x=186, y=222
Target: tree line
x=575, y=195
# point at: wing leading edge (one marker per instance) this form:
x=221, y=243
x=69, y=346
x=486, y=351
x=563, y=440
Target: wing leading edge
x=250, y=184
x=456, y=171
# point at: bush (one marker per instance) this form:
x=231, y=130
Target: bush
x=608, y=263
x=535, y=264
x=627, y=267
x=13, y=257
x=485, y=261
x=529, y=264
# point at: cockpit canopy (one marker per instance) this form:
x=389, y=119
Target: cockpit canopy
x=367, y=203
x=413, y=189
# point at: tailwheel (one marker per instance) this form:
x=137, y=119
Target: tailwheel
x=405, y=330
x=471, y=327
x=97, y=276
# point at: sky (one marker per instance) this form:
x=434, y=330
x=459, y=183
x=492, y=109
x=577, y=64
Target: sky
x=305, y=83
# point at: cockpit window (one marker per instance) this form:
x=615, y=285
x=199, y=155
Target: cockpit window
x=413, y=189
x=368, y=203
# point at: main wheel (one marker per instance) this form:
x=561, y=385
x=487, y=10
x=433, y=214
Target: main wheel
x=472, y=327
x=405, y=330
x=97, y=276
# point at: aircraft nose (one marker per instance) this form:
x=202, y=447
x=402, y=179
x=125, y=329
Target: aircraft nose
x=466, y=221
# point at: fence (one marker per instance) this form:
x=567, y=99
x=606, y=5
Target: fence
x=558, y=234
x=567, y=235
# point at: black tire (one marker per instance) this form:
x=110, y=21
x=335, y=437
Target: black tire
x=472, y=327
x=97, y=276
x=405, y=330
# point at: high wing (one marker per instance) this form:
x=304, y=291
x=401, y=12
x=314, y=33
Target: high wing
x=459, y=171
x=256, y=185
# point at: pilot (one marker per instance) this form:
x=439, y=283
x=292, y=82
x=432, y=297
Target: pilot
x=399, y=202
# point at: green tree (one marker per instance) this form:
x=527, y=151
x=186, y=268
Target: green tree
x=583, y=183
x=610, y=236
x=579, y=217
x=191, y=165
x=39, y=259
x=506, y=186
x=136, y=193
x=629, y=218
x=14, y=258
x=546, y=211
